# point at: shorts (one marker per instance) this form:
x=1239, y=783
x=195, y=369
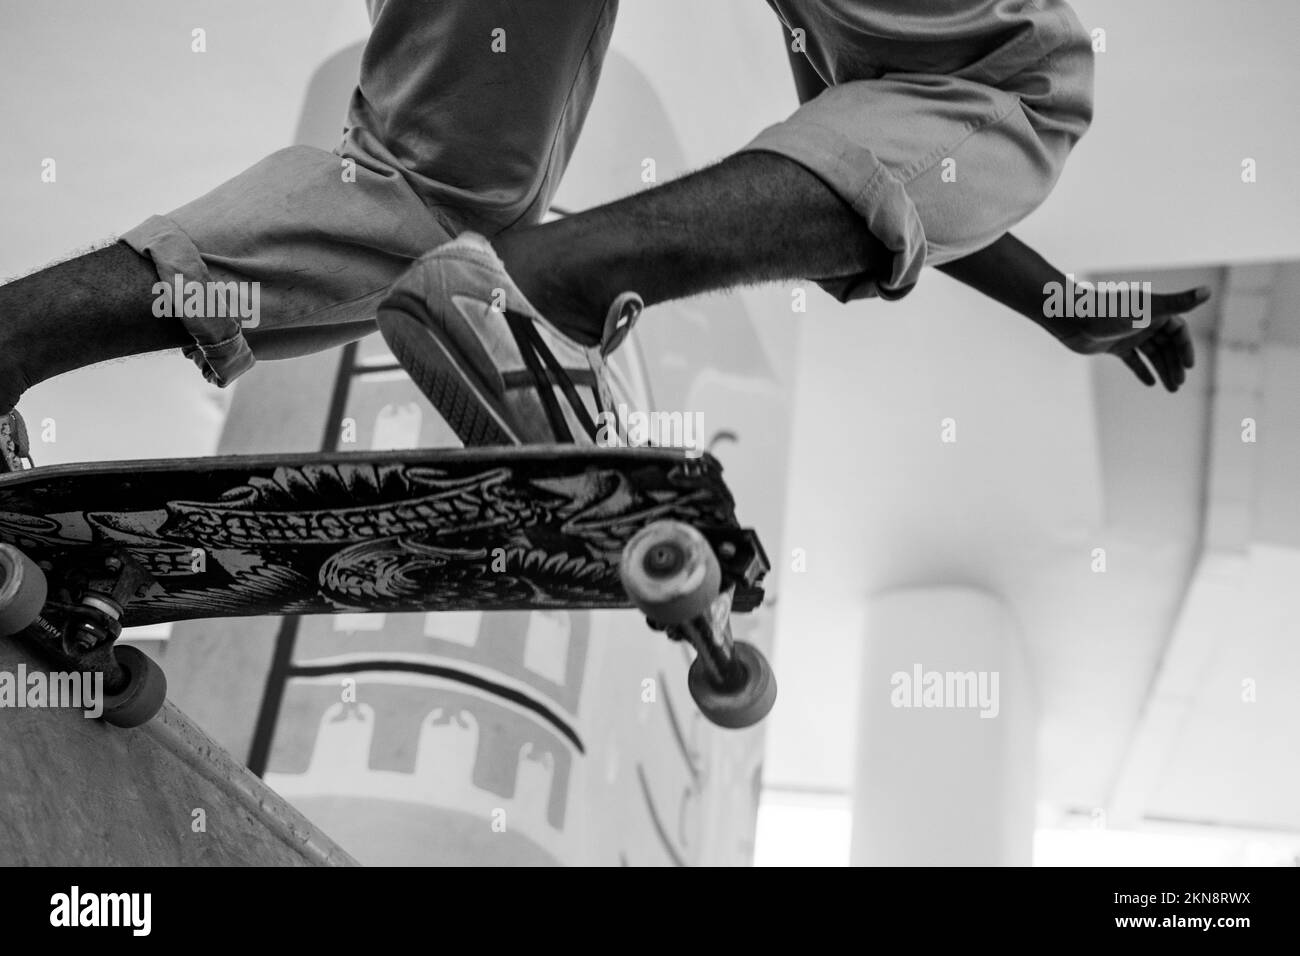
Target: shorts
x=942, y=165
x=465, y=115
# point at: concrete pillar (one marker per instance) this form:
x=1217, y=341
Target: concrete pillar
x=946, y=733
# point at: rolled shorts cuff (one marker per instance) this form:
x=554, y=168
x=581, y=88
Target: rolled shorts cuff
x=220, y=351
x=874, y=192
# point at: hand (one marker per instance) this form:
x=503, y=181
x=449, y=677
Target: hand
x=1165, y=343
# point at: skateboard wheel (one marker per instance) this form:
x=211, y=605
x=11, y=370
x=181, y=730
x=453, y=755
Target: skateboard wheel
x=743, y=705
x=22, y=590
x=670, y=572
x=144, y=694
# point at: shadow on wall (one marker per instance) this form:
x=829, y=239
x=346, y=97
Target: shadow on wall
x=324, y=109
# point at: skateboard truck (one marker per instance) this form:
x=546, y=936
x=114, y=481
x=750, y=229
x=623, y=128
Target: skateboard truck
x=95, y=619
x=672, y=573
x=78, y=629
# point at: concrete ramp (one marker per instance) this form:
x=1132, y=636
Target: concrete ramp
x=76, y=792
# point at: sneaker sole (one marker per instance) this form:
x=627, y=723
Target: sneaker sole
x=465, y=407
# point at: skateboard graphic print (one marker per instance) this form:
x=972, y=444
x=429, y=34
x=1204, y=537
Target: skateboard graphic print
x=112, y=545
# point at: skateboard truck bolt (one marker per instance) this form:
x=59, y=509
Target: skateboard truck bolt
x=664, y=560
x=83, y=638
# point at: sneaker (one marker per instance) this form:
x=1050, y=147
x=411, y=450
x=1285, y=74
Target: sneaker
x=492, y=365
x=14, y=447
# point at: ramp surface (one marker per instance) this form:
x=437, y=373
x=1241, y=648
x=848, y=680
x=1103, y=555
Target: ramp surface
x=76, y=792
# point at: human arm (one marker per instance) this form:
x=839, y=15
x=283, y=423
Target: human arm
x=1010, y=272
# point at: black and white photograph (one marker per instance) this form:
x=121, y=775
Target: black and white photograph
x=652, y=433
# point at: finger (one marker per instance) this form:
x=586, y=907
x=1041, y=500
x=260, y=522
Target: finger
x=1160, y=360
x=1181, y=301
x=1151, y=353
x=1138, y=367
x=1180, y=334
x=1173, y=356
x=1177, y=344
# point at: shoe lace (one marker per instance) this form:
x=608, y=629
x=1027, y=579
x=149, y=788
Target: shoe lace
x=536, y=354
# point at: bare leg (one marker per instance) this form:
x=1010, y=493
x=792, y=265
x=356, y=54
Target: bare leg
x=754, y=217
x=89, y=309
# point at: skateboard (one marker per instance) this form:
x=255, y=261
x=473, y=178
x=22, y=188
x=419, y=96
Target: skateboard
x=88, y=549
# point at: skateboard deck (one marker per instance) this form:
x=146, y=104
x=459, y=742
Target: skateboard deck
x=480, y=528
